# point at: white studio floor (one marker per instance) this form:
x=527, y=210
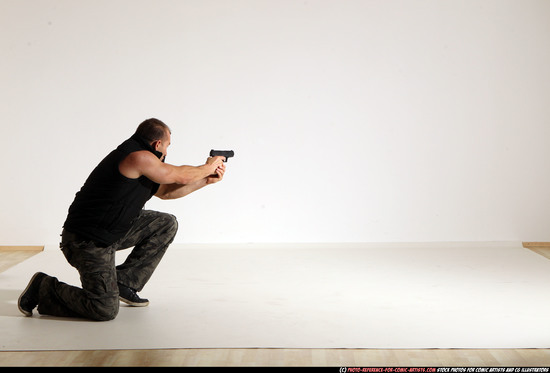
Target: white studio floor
x=487, y=295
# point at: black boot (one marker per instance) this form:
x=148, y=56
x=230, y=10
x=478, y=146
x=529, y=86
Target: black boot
x=28, y=300
x=129, y=296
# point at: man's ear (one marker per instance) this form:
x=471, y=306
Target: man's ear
x=155, y=144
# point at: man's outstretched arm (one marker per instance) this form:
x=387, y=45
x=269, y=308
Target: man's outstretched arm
x=173, y=191
x=144, y=163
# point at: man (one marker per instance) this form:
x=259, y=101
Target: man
x=107, y=215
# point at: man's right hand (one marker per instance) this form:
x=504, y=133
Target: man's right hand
x=214, y=163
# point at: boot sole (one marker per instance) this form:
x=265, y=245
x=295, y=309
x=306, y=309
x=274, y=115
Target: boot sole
x=134, y=304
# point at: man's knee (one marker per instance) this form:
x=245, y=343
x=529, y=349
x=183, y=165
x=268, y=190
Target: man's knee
x=168, y=224
x=173, y=224
x=105, y=309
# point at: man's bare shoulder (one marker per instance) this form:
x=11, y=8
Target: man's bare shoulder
x=135, y=163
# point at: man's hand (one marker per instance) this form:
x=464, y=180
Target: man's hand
x=220, y=171
x=215, y=163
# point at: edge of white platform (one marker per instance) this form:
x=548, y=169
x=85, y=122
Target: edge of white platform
x=330, y=245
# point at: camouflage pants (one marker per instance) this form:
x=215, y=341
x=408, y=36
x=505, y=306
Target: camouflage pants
x=150, y=236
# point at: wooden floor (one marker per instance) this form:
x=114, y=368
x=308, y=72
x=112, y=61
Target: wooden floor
x=272, y=357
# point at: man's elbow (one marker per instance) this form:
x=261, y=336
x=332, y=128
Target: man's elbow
x=163, y=196
x=164, y=193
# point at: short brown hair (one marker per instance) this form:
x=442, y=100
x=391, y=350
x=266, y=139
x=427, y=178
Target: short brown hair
x=152, y=130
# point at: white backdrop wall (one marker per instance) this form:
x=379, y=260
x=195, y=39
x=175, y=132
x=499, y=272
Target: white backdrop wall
x=351, y=120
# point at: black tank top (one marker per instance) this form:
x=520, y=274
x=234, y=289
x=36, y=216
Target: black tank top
x=104, y=208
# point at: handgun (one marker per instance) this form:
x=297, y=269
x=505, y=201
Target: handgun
x=224, y=153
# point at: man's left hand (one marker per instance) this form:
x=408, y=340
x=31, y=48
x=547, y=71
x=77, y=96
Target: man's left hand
x=220, y=171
